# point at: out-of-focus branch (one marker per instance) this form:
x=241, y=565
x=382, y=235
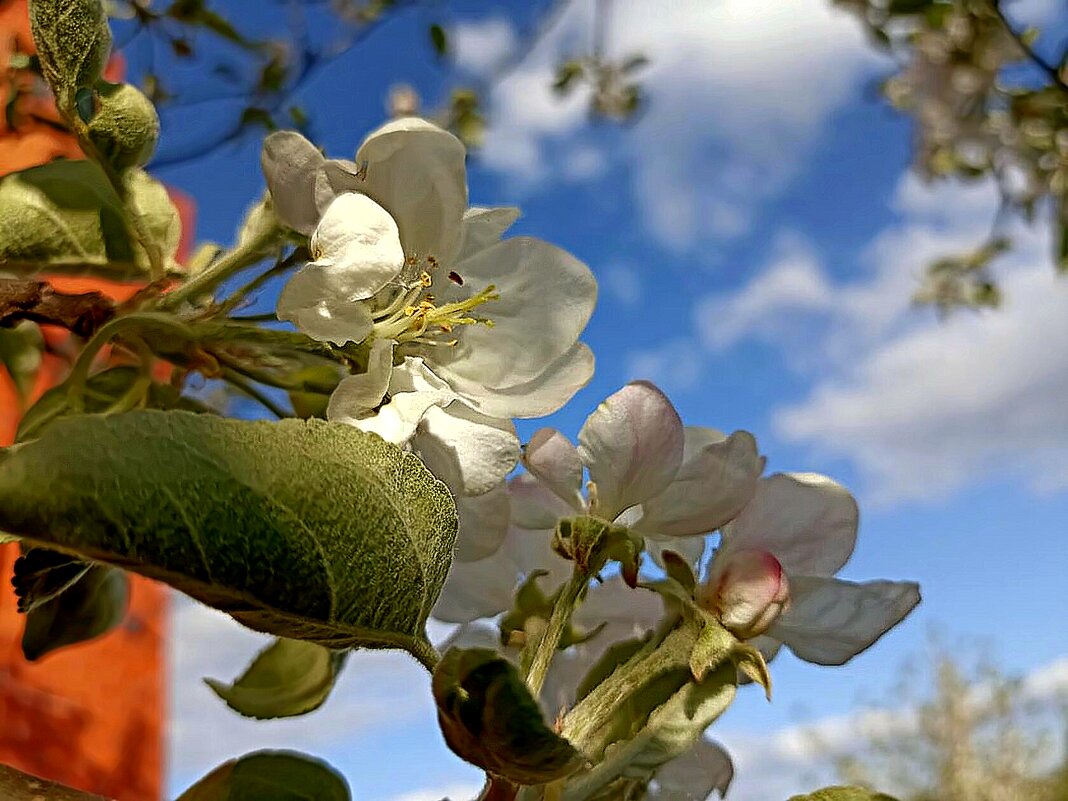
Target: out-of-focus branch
x=81, y=314
x=1051, y=72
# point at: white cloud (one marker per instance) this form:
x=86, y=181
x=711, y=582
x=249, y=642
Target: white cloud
x=624, y=284
x=373, y=694
x=739, y=91
x=480, y=46
x=675, y=366
x=922, y=406
x=773, y=304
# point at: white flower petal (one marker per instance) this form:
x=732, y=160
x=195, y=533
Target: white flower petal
x=551, y=458
x=290, y=163
x=470, y=452
x=358, y=247
x=535, y=506
x=628, y=611
x=704, y=769
x=413, y=389
x=479, y=634
x=632, y=445
x=479, y=589
x=831, y=621
x=417, y=172
x=333, y=178
x=309, y=301
x=691, y=549
x=808, y=521
x=483, y=524
x=486, y=587
x=717, y=479
x=546, y=297
x=541, y=396
x=357, y=396
x=484, y=227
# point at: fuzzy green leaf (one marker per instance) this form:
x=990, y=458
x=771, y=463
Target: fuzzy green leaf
x=270, y=776
x=843, y=794
x=65, y=217
x=286, y=679
x=303, y=529
x=489, y=718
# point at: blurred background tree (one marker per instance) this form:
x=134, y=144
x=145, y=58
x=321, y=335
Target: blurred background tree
x=989, y=101
x=958, y=728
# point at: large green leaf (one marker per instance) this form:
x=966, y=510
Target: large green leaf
x=489, y=718
x=286, y=679
x=270, y=776
x=299, y=528
x=65, y=217
x=843, y=794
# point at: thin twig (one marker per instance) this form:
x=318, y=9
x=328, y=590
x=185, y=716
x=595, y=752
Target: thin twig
x=249, y=389
x=1051, y=72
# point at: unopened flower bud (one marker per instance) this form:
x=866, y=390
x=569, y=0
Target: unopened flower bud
x=747, y=592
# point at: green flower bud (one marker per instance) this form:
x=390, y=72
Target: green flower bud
x=124, y=126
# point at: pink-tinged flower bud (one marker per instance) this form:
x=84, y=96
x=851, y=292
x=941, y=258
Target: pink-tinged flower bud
x=747, y=591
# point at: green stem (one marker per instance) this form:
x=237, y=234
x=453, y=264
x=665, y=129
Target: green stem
x=244, y=255
x=299, y=254
x=564, y=606
x=79, y=374
x=425, y=654
x=268, y=378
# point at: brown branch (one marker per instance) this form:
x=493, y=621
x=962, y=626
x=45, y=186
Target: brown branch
x=81, y=314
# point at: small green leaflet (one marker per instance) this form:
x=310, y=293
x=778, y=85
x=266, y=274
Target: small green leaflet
x=270, y=776
x=286, y=679
x=298, y=528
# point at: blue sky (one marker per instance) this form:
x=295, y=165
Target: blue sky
x=757, y=236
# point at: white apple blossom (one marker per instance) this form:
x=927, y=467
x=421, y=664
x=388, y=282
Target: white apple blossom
x=466, y=331
x=804, y=525
x=646, y=471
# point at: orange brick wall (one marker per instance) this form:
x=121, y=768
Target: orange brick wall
x=90, y=716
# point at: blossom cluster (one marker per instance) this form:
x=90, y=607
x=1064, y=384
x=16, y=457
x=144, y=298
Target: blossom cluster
x=458, y=331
